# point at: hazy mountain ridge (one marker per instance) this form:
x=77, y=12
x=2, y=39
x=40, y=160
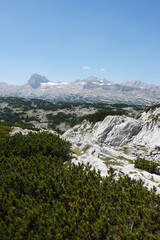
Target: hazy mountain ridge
x=91, y=89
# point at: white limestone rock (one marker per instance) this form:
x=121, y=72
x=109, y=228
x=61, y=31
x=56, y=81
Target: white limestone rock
x=117, y=130
x=149, y=136
x=117, y=141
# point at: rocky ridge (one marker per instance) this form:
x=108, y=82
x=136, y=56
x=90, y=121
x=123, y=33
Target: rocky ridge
x=117, y=141
x=91, y=89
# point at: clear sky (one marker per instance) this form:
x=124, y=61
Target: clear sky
x=66, y=40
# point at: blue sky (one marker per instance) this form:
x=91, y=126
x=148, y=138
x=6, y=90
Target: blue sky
x=66, y=40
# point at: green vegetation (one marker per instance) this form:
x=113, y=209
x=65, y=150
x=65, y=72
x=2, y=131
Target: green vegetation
x=144, y=149
x=146, y=165
x=4, y=132
x=43, y=196
x=153, y=107
x=35, y=144
x=126, y=150
x=112, y=162
x=27, y=111
x=100, y=115
x=10, y=117
x=156, y=117
x=60, y=118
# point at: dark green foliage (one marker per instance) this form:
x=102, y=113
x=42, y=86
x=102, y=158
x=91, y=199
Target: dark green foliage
x=100, y=115
x=61, y=118
x=10, y=117
x=146, y=165
x=26, y=111
x=153, y=107
x=4, y=132
x=35, y=144
x=42, y=198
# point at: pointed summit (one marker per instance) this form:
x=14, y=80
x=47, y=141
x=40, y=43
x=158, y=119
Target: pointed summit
x=36, y=80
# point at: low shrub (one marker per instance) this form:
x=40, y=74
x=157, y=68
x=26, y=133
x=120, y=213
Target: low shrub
x=146, y=165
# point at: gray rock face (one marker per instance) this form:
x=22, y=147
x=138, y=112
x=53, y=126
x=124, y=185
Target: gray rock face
x=117, y=131
x=157, y=147
x=36, y=79
x=118, y=141
x=106, y=127
x=157, y=170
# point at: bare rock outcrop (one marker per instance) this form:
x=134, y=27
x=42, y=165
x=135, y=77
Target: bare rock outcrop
x=117, y=130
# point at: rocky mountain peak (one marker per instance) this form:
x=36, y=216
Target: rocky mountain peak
x=91, y=89
x=36, y=80
x=93, y=79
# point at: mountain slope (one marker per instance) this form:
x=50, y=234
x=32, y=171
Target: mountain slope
x=140, y=84
x=91, y=89
x=117, y=141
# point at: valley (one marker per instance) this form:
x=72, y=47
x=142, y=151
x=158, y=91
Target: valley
x=58, y=116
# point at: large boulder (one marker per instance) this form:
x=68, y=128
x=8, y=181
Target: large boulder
x=149, y=136
x=117, y=130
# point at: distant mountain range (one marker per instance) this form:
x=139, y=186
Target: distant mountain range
x=91, y=89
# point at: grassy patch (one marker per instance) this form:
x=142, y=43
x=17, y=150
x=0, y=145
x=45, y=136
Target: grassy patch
x=75, y=129
x=126, y=159
x=79, y=144
x=110, y=161
x=126, y=150
x=88, y=146
x=132, y=172
x=77, y=151
x=144, y=149
x=89, y=129
x=152, y=179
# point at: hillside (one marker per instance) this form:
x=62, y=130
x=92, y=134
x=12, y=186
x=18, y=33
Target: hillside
x=102, y=134
x=44, y=196
x=118, y=141
x=104, y=184
x=60, y=116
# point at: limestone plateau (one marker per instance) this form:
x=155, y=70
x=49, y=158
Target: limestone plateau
x=91, y=89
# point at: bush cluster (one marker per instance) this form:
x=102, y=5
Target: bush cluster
x=35, y=144
x=100, y=115
x=4, y=132
x=42, y=198
x=146, y=165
